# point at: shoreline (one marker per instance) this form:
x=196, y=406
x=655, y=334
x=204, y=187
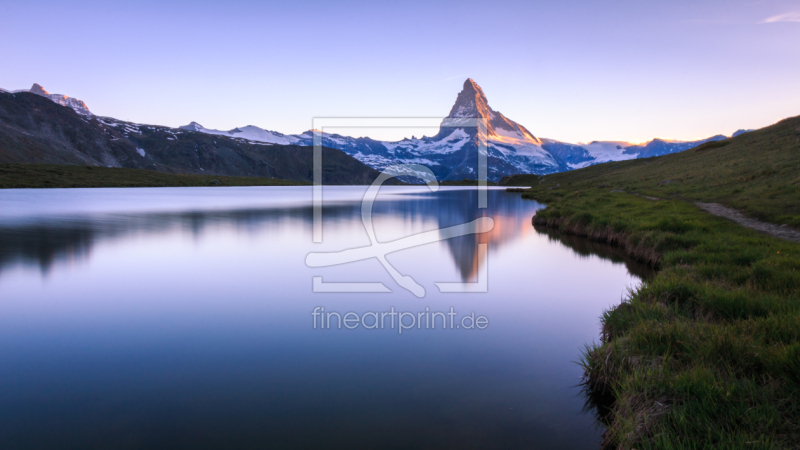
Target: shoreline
x=663, y=346
x=43, y=176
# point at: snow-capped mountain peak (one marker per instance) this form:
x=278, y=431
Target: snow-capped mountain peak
x=249, y=132
x=472, y=103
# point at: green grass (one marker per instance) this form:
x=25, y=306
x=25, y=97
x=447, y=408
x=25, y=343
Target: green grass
x=706, y=354
x=756, y=172
x=65, y=176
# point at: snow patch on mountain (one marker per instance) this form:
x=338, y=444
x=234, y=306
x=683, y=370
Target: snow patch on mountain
x=605, y=151
x=250, y=132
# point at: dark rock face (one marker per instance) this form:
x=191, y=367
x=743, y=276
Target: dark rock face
x=38, y=90
x=34, y=129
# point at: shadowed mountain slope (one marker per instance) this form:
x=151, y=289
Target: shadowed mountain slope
x=34, y=129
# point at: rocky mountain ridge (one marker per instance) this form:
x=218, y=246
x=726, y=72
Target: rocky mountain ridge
x=35, y=129
x=78, y=105
x=452, y=153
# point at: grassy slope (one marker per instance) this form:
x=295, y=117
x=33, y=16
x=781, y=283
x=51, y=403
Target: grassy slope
x=757, y=173
x=64, y=176
x=707, y=353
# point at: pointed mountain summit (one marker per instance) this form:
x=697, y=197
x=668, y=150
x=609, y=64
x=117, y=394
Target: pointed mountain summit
x=472, y=103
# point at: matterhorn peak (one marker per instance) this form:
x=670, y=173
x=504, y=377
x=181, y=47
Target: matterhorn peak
x=472, y=103
x=471, y=86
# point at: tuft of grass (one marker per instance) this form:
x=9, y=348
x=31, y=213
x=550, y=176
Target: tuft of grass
x=706, y=354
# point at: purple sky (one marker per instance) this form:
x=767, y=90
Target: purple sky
x=574, y=70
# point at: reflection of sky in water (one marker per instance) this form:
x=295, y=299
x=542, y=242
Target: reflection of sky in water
x=181, y=317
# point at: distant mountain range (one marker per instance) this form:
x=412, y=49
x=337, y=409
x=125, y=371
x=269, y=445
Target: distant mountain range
x=452, y=154
x=36, y=129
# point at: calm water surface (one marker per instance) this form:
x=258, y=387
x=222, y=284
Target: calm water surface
x=181, y=318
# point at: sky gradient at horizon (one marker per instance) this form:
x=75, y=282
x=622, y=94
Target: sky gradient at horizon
x=575, y=70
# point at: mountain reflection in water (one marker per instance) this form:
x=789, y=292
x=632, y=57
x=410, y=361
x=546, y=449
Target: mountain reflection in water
x=69, y=238
x=181, y=318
